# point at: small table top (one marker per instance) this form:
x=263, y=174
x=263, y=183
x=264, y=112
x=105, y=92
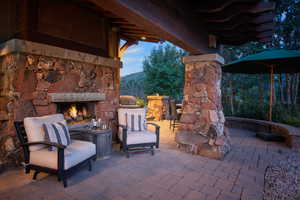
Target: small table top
x=90, y=130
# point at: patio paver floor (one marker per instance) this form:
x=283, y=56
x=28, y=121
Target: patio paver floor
x=170, y=174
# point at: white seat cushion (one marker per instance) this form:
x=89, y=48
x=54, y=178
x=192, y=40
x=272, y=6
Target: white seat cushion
x=75, y=153
x=34, y=128
x=139, y=137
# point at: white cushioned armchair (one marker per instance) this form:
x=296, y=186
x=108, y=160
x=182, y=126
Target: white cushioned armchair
x=63, y=160
x=133, y=133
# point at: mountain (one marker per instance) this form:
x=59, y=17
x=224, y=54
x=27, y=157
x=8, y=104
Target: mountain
x=133, y=85
x=135, y=76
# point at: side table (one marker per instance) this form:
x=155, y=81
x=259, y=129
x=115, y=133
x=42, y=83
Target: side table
x=101, y=138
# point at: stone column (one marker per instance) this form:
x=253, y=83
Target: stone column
x=158, y=107
x=201, y=129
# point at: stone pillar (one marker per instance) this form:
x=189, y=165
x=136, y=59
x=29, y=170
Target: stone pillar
x=201, y=129
x=158, y=107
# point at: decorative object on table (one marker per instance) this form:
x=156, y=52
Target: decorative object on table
x=37, y=155
x=133, y=133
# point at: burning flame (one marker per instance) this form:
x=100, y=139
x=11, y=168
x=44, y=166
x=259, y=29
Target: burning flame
x=73, y=111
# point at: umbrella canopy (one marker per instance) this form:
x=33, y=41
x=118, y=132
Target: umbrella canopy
x=284, y=61
x=270, y=61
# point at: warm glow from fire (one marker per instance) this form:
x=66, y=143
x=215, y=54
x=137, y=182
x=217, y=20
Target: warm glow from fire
x=73, y=111
x=84, y=111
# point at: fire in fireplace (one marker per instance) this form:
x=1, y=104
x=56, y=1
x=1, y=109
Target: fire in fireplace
x=76, y=112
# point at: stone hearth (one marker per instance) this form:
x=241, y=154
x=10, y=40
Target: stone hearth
x=34, y=77
x=201, y=128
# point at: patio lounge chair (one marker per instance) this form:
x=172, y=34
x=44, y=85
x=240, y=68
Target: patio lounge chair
x=63, y=160
x=133, y=133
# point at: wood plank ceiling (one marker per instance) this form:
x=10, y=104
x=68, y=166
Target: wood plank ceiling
x=232, y=22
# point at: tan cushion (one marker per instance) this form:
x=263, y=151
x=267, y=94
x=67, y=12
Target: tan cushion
x=139, y=137
x=75, y=153
x=34, y=128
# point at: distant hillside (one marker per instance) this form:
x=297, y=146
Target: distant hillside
x=135, y=76
x=133, y=84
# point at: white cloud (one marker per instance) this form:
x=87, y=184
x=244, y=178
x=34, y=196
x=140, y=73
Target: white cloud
x=134, y=49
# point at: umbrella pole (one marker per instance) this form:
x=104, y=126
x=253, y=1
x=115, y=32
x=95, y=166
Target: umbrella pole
x=271, y=92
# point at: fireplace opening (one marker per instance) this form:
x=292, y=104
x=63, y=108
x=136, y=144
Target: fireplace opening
x=77, y=112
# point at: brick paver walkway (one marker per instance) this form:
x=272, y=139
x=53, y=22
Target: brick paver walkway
x=170, y=174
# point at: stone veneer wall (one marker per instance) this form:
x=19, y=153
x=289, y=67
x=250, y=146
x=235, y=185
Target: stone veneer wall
x=158, y=107
x=201, y=128
x=30, y=73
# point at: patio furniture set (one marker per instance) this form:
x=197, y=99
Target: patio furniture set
x=50, y=146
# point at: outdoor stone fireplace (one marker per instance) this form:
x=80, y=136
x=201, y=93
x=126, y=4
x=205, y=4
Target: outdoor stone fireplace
x=76, y=107
x=38, y=79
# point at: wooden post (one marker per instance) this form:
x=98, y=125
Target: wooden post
x=271, y=92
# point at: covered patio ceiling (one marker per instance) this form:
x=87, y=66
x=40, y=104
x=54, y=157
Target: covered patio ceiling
x=196, y=26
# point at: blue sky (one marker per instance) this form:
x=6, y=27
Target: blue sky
x=134, y=56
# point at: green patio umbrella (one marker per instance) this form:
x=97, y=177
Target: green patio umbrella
x=267, y=62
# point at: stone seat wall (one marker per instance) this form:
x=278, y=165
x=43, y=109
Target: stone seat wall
x=292, y=134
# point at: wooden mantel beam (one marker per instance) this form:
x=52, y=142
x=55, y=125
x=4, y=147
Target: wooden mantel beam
x=160, y=21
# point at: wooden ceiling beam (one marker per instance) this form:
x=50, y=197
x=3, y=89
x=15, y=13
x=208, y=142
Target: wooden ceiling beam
x=139, y=34
x=245, y=28
x=237, y=10
x=238, y=21
x=221, y=5
x=247, y=37
x=139, y=39
x=159, y=21
x=133, y=30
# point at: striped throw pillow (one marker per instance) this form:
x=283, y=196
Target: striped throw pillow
x=135, y=122
x=58, y=133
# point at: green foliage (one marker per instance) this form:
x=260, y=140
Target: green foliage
x=164, y=72
x=140, y=102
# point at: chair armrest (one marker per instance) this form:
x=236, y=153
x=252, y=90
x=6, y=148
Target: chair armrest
x=122, y=126
x=157, y=128
x=153, y=124
x=59, y=146
x=124, y=134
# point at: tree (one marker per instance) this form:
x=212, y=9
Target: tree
x=164, y=72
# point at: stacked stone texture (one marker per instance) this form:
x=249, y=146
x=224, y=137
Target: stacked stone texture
x=158, y=107
x=202, y=117
x=26, y=81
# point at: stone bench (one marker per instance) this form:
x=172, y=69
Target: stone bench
x=292, y=134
